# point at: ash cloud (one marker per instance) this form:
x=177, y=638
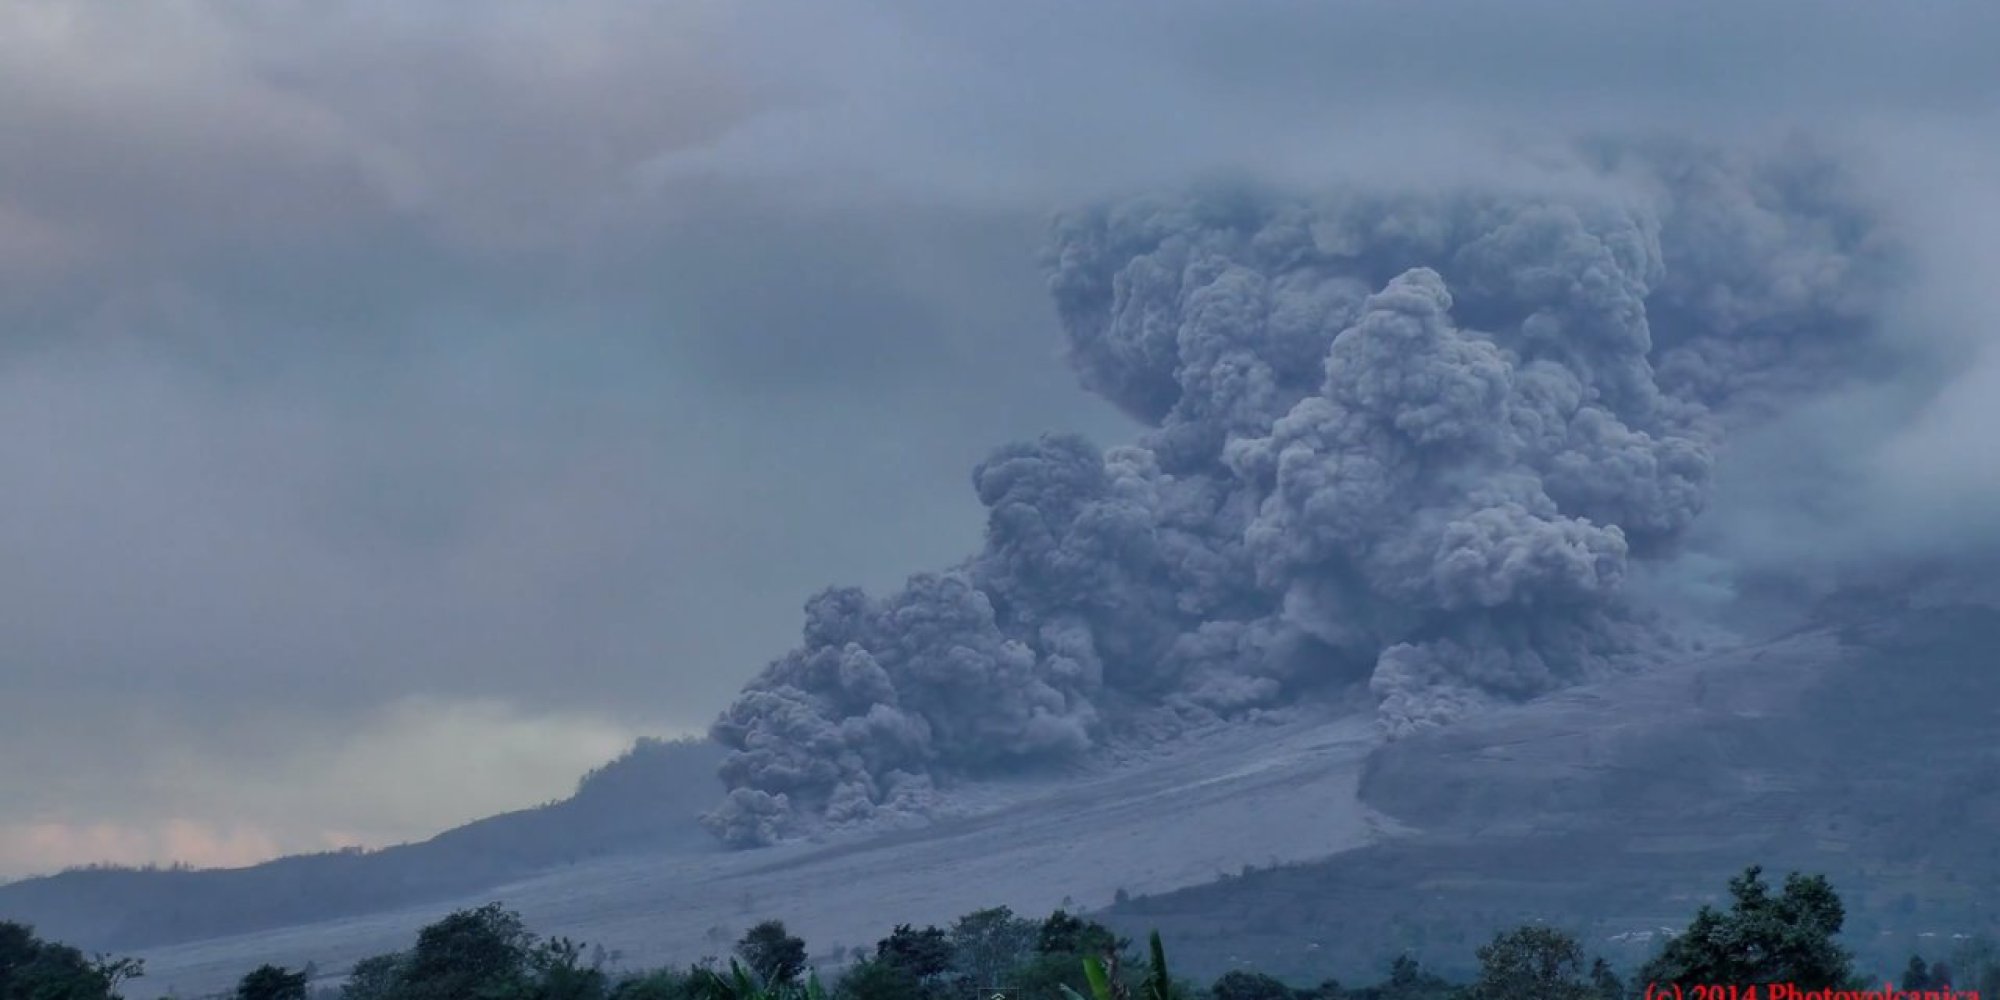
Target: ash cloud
x=1413, y=443
x=358, y=355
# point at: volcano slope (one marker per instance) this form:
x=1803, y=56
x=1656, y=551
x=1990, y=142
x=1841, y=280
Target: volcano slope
x=642, y=802
x=1180, y=816
x=1309, y=848
x=1864, y=752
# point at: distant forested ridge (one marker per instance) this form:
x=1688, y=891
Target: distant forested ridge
x=644, y=800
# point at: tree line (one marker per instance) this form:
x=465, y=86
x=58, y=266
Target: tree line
x=1785, y=934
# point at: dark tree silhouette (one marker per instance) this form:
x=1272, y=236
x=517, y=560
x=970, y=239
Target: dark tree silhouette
x=924, y=954
x=1242, y=984
x=471, y=953
x=373, y=978
x=1917, y=975
x=773, y=954
x=1063, y=934
x=271, y=982
x=1539, y=962
x=1763, y=939
x=34, y=969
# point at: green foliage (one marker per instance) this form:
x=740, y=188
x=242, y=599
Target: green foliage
x=1539, y=962
x=34, y=969
x=741, y=984
x=1763, y=939
x=738, y=984
x=488, y=954
x=1159, y=985
x=924, y=954
x=113, y=972
x=772, y=954
x=478, y=954
x=375, y=978
x=1063, y=934
x=1103, y=985
x=272, y=982
x=1061, y=942
x=1047, y=976
x=986, y=944
x=909, y=964
x=1099, y=979
x=560, y=974
x=1106, y=983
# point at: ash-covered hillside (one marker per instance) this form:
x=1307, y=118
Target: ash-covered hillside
x=1857, y=747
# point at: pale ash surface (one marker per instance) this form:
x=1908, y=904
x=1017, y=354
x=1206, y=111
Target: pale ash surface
x=1233, y=797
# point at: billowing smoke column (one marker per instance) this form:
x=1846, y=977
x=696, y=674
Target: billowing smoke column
x=1412, y=442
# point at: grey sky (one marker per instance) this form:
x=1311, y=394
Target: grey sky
x=406, y=404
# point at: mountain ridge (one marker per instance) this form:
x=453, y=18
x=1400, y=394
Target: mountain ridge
x=643, y=800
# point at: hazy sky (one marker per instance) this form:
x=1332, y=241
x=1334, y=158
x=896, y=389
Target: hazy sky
x=404, y=405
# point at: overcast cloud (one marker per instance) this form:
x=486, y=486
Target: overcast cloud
x=406, y=405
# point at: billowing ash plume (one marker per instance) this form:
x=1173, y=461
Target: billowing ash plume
x=1414, y=442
